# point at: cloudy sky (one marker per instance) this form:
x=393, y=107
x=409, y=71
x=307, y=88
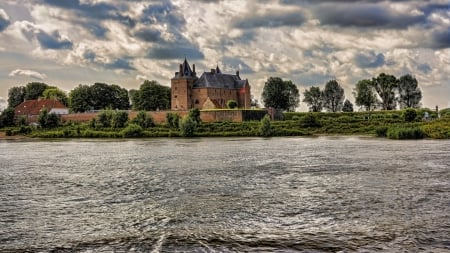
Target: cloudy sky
x=70, y=42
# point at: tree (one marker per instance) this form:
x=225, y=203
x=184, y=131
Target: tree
x=409, y=92
x=172, y=119
x=55, y=93
x=333, y=96
x=119, y=119
x=194, y=113
x=7, y=117
x=48, y=120
x=34, y=90
x=365, y=95
x=348, y=106
x=104, y=96
x=80, y=99
x=231, y=104
x=280, y=94
x=409, y=115
x=151, y=96
x=385, y=86
x=16, y=95
x=314, y=98
x=105, y=119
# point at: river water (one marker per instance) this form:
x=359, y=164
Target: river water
x=324, y=194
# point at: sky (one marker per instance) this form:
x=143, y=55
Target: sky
x=70, y=42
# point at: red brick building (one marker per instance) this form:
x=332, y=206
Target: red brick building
x=212, y=90
x=30, y=109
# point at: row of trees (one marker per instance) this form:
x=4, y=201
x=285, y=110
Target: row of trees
x=385, y=92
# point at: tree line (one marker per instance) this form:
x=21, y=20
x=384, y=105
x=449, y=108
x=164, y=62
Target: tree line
x=385, y=92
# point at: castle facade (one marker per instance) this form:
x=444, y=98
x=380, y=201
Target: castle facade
x=212, y=90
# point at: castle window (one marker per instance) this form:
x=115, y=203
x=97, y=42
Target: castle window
x=197, y=102
x=175, y=96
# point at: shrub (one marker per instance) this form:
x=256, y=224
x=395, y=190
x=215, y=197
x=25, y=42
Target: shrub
x=232, y=104
x=265, y=128
x=195, y=115
x=119, y=119
x=405, y=133
x=104, y=119
x=132, y=130
x=381, y=131
x=48, y=120
x=409, y=115
x=310, y=120
x=172, y=120
x=143, y=120
x=187, y=126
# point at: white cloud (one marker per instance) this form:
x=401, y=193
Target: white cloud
x=28, y=73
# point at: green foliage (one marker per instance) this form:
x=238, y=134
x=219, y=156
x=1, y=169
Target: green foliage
x=280, y=94
x=314, y=98
x=364, y=94
x=7, y=117
x=385, y=86
x=187, y=126
x=48, y=120
x=265, y=128
x=309, y=120
x=445, y=113
x=333, y=96
x=143, y=120
x=132, y=131
x=172, y=120
x=97, y=97
x=404, y=133
x=409, y=92
x=151, y=96
x=195, y=115
x=57, y=94
x=381, y=131
x=232, y=104
x=80, y=99
x=104, y=119
x=119, y=119
x=22, y=121
x=16, y=95
x=409, y=115
x=348, y=106
x=34, y=90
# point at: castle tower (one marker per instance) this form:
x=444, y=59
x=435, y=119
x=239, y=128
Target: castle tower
x=181, y=87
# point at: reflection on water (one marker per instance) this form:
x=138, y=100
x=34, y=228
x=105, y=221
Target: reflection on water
x=225, y=195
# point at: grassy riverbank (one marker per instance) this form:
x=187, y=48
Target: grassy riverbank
x=390, y=124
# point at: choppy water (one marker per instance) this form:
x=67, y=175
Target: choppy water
x=225, y=195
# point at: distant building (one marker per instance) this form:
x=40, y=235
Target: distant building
x=31, y=108
x=212, y=90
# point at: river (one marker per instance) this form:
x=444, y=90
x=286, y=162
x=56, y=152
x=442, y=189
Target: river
x=326, y=194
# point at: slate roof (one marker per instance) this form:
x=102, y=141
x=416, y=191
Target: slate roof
x=34, y=107
x=219, y=80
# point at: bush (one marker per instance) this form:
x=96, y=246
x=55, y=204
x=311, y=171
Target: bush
x=143, y=120
x=48, y=120
x=187, y=126
x=132, y=130
x=381, y=131
x=104, y=119
x=232, y=104
x=405, y=133
x=310, y=120
x=119, y=119
x=172, y=120
x=195, y=115
x=265, y=128
x=409, y=115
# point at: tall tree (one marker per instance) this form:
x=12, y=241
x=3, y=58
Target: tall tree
x=80, y=99
x=313, y=97
x=348, y=106
x=385, y=86
x=151, y=96
x=333, y=96
x=55, y=93
x=34, y=90
x=16, y=95
x=280, y=94
x=365, y=95
x=409, y=92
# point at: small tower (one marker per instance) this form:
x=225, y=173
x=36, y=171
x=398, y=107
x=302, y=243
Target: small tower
x=181, y=87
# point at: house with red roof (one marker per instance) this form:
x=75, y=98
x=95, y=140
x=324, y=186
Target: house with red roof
x=31, y=108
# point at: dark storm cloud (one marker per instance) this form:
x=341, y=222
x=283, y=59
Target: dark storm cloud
x=4, y=20
x=441, y=39
x=237, y=64
x=163, y=13
x=424, y=68
x=53, y=41
x=175, y=52
x=371, y=60
x=149, y=35
x=364, y=15
x=120, y=64
x=270, y=20
x=97, y=11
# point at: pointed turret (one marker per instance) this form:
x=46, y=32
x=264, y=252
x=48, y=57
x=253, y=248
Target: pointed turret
x=218, y=70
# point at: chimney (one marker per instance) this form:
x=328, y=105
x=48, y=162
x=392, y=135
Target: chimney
x=237, y=73
x=181, y=70
x=193, y=70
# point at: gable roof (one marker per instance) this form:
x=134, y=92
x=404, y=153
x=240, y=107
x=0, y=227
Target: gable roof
x=34, y=107
x=219, y=80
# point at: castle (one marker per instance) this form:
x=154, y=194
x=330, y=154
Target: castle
x=212, y=90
